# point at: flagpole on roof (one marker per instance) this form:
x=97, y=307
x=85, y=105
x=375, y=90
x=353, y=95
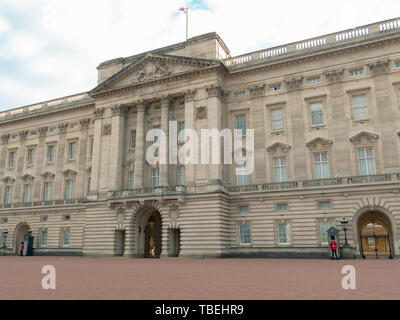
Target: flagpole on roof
x=186, y=11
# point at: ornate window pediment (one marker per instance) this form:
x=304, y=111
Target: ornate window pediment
x=48, y=175
x=319, y=143
x=69, y=173
x=364, y=137
x=278, y=147
x=28, y=177
x=9, y=180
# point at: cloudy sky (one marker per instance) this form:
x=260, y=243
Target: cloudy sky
x=51, y=48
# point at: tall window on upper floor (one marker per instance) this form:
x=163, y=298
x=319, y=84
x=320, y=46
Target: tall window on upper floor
x=27, y=192
x=131, y=180
x=69, y=186
x=241, y=125
x=72, y=151
x=360, y=107
x=155, y=177
x=51, y=153
x=47, y=191
x=65, y=234
x=43, y=237
x=11, y=159
x=366, y=161
x=317, y=114
x=133, y=139
x=31, y=157
x=157, y=135
x=181, y=176
x=7, y=194
x=280, y=169
x=242, y=174
x=321, y=165
x=277, y=120
x=181, y=133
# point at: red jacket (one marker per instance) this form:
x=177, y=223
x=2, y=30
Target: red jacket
x=22, y=247
x=333, y=245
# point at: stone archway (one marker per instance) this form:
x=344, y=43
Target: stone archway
x=375, y=225
x=20, y=232
x=149, y=233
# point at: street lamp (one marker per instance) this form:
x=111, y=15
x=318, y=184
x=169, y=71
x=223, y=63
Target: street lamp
x=344, y=223
x=5, y=233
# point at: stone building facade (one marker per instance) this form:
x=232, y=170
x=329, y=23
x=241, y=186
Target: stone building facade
x=326, y=118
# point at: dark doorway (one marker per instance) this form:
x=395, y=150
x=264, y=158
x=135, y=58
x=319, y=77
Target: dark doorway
x=175, y=242
x=119, y=243
x=152, y=236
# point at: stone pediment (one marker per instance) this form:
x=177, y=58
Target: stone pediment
x=319, y=142
x=69, y=173
x=8, y=180
x=153, y=67
x=278, y=147
x=364, y=137
x=28, y=177
x=48, y=175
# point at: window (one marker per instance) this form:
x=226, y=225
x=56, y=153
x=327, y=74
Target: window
x=280, y=169
x=360, y=108
x=31, y=156
x=27, y=192
x=244, y=209
x=43, y=218
x=242, y=174
x=181, y=176
x=284, y=236
x=245, y=233
x=157, y=135
x=317, y=114
x=371, y=242
x=74, y=126
x=69, y=184
x=54, y=129
x=50, y=153
x=3, y=239
x=181, y=133
x=282, y=207
x=366, y=161
x=314, y=80
x=131, y=180
x=397, y=64
x=67, y=218
x=7, y=195
x=71, y=150
x=240, y=94
x=11, y=160
x=133, y=139
x=275, y=87
x=4, y=221
x=323, y=229
x=356, y=72
x=47, y=191
x=155, y=178
x=277, y=119
x=66, y=237
x=43, y=240
x=241, y=125
x=321, y=165
x=324, y=204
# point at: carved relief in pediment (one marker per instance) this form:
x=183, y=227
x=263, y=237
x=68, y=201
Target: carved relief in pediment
x=364, y=137
x=150, y=70
x=319, y=143
x=278, y=147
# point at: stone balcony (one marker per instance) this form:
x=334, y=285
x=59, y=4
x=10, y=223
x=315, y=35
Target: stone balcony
x=34, y=204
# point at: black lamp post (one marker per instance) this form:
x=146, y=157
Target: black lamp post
x=344, y=223
x=5, y=233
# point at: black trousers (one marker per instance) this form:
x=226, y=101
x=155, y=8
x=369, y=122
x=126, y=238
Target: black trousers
x=21, y=252
x=334, y=254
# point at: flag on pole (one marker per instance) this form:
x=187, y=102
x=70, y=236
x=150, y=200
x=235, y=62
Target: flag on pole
x=183, y=9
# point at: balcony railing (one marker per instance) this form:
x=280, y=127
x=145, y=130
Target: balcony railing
x=329, y=40
x=41, y=203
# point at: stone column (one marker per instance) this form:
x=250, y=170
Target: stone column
x=164, y=168
x=59, y=179
x=190, y=114
x=20, y=165
x=3, y=156
x=40, y=160
x=83, y=143
x=139, y=152
x=117, y=143
x=94, y=181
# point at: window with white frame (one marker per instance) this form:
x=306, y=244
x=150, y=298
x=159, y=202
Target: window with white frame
x=51, y=153
x=7, y=195
x=277, y=119
x=313, y=80
x=317, y=113
x=181, y=176
x=242, y=174
x=244, y=230
x=69, y=186
x=284, y=233
x=324, y=204
x=241, y=124
x=323, y=229
x=321, y=165
x=27, y=192
x=397, y=64
x=360, y=107
x=66, y=237
x=282, y=207
x=11, y=159
x=71, y=150
x=366, y=161
x=155, y=177
x=275, y=87
x=181, y=133
x=244, y=209
x=133, y=139
x=280, y=169
x=240, y=94
x=356, y=72
x=43, y=237
x=157, y=135
x=131, y=180
x=31, y=156
x=47, y=191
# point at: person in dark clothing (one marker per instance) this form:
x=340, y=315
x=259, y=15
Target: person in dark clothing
x=21, y=248
x=333, y=246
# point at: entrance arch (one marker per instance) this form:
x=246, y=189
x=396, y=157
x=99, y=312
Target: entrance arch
x=20, y=232
x=375, y=234
x=149, y=233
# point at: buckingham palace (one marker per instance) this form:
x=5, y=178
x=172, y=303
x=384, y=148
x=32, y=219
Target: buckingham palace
x=325, y=113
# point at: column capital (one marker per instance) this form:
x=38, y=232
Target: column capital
x=84, y=123
x=189, y=95
x=5, y=138
x=63, y=127
x=118, y=110
x=216, y=90
x=141, y=105
x=334, y=75
x=165, y=101
x=98, y=113
x=42, y=131
x=23, y=134
x=295, y=83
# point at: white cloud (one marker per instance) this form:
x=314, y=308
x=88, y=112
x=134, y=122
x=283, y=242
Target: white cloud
x=63, y=41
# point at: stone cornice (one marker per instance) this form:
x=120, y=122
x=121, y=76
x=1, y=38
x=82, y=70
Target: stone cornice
x=366, y=136
x=278, y=146
x=319, y=142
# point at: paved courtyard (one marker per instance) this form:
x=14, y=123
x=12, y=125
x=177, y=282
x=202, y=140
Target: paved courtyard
x=203, y=279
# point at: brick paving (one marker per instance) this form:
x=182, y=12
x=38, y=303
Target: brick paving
x=202, y=279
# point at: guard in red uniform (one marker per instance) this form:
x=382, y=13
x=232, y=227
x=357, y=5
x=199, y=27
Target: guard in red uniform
x=21, y=249
x=333, y=246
